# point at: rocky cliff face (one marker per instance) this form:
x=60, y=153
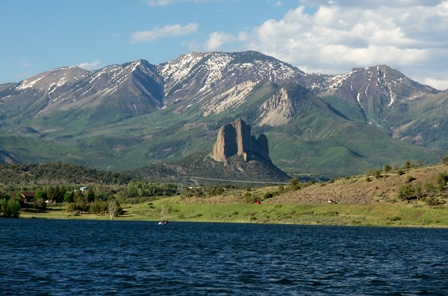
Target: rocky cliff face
x=236, y=139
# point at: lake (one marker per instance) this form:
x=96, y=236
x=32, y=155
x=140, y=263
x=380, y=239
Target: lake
x=66, y=257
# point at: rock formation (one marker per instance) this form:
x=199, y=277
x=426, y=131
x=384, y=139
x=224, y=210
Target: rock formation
x=236, y=139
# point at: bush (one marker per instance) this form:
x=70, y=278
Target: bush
x=294, y=181
x=268, y=195
x=71, y=207
x=407, y=192
x=445, y=160
x=409, y=179
x=432, y=201
x=10, y=208
x=429, y=189
x=441, y=180
x=98, y=207
x=376, y=174
x=40, y=204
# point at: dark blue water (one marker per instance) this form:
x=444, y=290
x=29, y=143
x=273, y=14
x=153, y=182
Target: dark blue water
x=58, y=257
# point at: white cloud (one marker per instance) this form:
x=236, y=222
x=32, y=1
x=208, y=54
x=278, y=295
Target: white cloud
x=409, y=35
x=166, y=31
x=170, y=2
x=369, y=3
x=217, y=39
x=90, y=65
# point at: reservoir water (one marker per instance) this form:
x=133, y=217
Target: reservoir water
x=72, y=257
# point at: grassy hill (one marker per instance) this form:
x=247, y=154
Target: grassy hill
x=410, y=195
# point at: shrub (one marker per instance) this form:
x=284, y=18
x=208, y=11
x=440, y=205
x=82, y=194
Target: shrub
x=71, y=207
x=432, y=201
x=10, y=208
x=409, y=179
x=294, y=181
x=98, y=207
x=387, y=168
x=445, y=160
x=441, y=180
x=407, y=192
x=268, y=195
x=429, y=189
x=375, y=173
x=40, y=203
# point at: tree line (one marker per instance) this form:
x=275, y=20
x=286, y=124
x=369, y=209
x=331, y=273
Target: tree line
x=58, y=173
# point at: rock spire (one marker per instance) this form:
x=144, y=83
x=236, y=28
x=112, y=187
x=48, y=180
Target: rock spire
x=235, y=139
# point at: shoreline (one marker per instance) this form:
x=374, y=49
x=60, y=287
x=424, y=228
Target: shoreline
x=288, y=214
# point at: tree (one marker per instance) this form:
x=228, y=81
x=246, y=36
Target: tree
x=10, y=208
x=69, y=197
x=58, y=194
x=80, y=202
x=98, y=207
x=113, y=207
x=90, y=195
x=41, y=194
x=51, y=193
x=40, y=203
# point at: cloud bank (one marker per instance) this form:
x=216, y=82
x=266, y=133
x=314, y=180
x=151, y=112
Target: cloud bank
x=409, y=35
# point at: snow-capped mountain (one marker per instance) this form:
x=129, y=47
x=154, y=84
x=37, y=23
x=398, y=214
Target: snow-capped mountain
x=124, y=90
x=375, y=90
x=139, y=87
x=164, y=111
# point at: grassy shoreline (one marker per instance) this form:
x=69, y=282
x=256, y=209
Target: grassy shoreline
x=337, y=215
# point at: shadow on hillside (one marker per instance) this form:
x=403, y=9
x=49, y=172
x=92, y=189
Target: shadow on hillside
x=49, y=210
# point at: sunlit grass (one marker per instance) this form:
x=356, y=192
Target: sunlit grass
x=349, y=215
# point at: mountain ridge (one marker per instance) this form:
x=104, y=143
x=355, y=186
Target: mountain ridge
x=138, y=113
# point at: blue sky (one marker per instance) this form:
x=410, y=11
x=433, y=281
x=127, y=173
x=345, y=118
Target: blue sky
x=325, y=36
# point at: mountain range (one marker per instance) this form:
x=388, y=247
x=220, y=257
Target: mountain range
x=129, y=116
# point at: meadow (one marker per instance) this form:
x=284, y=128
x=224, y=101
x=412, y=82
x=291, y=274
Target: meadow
x=173, y=210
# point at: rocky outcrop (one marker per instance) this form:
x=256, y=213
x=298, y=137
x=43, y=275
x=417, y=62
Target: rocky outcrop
x=236, y=139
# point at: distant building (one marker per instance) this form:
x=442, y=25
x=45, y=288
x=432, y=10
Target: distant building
x=28, y=197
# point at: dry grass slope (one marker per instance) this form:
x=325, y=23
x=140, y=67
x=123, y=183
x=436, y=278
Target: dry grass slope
x=357, y=190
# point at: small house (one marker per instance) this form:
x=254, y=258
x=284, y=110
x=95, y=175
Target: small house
x=28, y=197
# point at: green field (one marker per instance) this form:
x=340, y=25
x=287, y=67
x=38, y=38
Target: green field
x=339, y=214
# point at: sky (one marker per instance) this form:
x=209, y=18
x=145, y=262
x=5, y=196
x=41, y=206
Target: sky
x=317, y=36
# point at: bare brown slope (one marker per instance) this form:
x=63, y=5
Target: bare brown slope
x=357, y=190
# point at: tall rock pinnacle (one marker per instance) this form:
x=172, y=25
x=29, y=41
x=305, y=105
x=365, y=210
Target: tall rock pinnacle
x=236, y=139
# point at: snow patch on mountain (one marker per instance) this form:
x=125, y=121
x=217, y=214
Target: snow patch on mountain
x=232, y=98
x=29, y=84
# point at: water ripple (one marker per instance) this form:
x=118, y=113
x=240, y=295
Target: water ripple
x=55, y=257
